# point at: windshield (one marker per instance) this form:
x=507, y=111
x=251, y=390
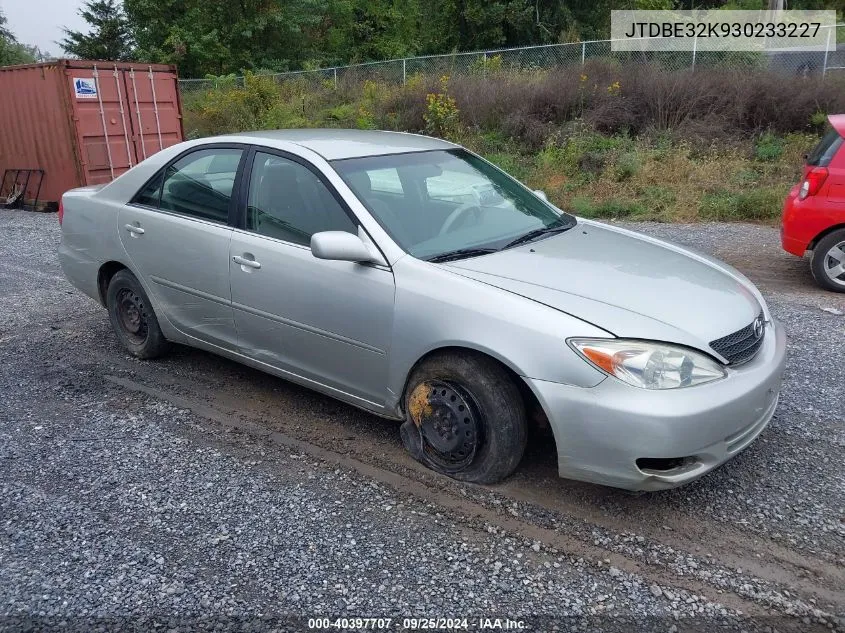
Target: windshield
x=439, y=202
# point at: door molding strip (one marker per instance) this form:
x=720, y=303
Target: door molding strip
x=190, y=291
x=307, y=328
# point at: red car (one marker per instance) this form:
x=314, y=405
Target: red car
x=814, y=211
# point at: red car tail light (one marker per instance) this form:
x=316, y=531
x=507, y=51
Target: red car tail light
x=813, y=182
x=61, y=212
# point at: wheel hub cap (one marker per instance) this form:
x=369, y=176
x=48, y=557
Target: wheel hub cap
x=448, y=422
x=834, y=264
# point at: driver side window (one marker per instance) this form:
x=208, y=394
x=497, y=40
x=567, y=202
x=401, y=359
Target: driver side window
x=287, y=201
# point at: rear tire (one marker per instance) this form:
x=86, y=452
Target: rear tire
x=824, y=261
x=132, y=317
x=465, y=417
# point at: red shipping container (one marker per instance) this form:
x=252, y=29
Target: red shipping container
x=82, y=123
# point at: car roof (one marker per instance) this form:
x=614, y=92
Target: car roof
x=336, y=144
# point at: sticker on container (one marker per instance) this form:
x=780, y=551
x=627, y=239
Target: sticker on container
x=85, y=88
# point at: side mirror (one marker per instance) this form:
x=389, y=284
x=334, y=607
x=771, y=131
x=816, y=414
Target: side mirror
x=541, y=194
x=340, y=246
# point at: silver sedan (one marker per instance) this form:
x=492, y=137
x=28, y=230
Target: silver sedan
x=409, y=277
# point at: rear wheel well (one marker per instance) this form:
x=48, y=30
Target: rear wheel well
x=104, y=276
x=818, y=238
x=534, y=413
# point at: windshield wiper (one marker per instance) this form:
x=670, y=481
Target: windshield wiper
x=460, y=253
x=536, y=233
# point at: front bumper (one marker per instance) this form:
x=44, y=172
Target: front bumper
x=602, y=431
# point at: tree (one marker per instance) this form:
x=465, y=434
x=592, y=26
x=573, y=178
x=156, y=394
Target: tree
x=12, y=51
x=217, y=37
x=220, y=37
x=5, y=33
x=109, y=35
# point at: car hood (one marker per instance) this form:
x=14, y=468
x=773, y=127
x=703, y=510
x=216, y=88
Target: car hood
x=628, y=284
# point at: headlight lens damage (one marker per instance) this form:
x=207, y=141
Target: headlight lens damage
x=649, y=365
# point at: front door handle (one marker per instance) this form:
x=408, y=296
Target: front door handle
x=243, y=261
x=134, y=229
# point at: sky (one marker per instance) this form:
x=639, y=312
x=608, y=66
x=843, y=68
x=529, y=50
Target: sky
x=40, y=22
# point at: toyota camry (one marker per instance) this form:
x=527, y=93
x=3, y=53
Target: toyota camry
x=409, y=277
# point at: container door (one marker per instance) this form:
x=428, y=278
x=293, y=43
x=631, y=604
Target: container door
x=154, y=105
x=103, y=130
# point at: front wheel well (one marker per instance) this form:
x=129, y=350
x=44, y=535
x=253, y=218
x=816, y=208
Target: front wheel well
x=104, y=276
x=534, y=412
x=818, y=238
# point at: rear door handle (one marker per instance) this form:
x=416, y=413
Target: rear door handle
x=137, y=230
x=249, y=263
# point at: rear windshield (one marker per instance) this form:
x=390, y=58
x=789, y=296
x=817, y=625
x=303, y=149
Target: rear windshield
x=825, y=150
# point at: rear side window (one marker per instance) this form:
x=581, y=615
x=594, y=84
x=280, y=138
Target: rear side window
x=824, y=152
x=150, y=195
x=198, y=185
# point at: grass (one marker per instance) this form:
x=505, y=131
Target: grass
x=680, y=183
x=624, y=143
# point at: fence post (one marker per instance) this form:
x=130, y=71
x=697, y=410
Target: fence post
x=335, y=78
x=583, y=52
x=484, y=64
x=404, y=73
x=694, y=47
x=826, y=51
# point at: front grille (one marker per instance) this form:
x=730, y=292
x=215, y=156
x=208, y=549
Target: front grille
x=741, y=346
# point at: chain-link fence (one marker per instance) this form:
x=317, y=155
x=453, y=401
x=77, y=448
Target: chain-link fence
x=800, y=63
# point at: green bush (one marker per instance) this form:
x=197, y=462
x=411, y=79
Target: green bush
x=344, y=114
x=818, y=120
x=442, y=117
x=280, y=116
x=485, y=64
x=510, y=163
x=768, y=147
x=657, y=199
x=627, y=165
x=556, y=157
x=756, y=204
x=231, y=107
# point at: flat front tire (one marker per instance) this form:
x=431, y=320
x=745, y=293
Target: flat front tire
x=465, y=417
x=132, y=317
x=828, y=263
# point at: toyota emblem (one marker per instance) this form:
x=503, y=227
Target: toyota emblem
x=758, y=327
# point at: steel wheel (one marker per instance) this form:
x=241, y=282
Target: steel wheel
x=834, y=264
x=465, y=417
x=132, y=317
x=130, y=313
x=449, y=425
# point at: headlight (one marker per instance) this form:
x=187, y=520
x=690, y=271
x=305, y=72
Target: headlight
x=649, y=365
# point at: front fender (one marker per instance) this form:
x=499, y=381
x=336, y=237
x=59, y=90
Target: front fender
x=436, y=308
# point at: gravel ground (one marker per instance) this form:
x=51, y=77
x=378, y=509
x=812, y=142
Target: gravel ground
x=121, y=510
